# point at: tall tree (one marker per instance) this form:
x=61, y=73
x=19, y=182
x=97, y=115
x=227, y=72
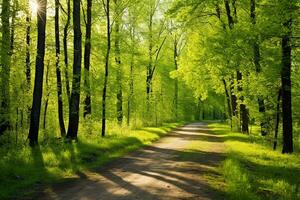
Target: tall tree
x=108, y=31
x=287, y=120
x=58, y=73
x=153, y=52
x=75, y=94
x=28, y=41
x=132, y=32
x=65, y=44
x=87, y=59
x=39, y=73
x=256, y=61
x=117, y=23
x=5, y=65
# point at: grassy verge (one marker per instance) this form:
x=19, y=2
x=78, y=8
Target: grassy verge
x=253, y=171
x=25, y=170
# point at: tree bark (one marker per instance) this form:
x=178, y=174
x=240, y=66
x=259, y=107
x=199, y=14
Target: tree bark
x=176, y=79
x=87, y=60
x=256, y=60
x=244, y=115
x=65, y=44
x=107, y=9
x=58, y=73
x=277, y=119
x=118, y=17
x=132, y=61
x=287, y=121
x=47, y=97
x=227, y=99
x=5, y=64
x=28, y=40
x=39, y=73
x=75, y=94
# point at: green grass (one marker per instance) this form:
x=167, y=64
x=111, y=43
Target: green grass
x=24, y=170
x=252, y=170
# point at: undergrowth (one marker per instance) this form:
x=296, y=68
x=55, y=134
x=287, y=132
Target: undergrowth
x=252, y=170
x=25, y=170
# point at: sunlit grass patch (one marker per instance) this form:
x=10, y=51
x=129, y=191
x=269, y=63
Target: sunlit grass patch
x=253, y=170
x=25, y=170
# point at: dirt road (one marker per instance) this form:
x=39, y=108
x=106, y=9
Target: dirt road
x=166, y=170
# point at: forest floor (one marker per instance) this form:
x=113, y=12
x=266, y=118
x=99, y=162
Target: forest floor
x=182, y=165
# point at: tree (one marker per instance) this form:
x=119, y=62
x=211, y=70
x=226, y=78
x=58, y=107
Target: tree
x=39, y=73
x=58, y=73
x=153, y=52
x=256, y=61
x=65, y=44
x=287, y=120
x=87, y=59
x=75, y=93
x=118, y=17
x=5, y=64
x=108, y=48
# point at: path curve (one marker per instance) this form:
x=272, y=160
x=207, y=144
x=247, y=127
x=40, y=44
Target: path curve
x=165, y=170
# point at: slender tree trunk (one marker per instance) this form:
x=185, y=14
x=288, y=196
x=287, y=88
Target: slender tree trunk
x=87, y=60
x=227, y=99
x=233, y=98
x=28, y=39
x=5, y=65
x=75, y=94
x=256, y=59
x=47, y=97
x=106, y=69
x=131, y=90
x=118, y=16
x=277, y=119
x=287, y=121
x=58, y=73
x=176, y=80
x=65, y=44
x=132, y=58
x=39, y=73
x=150, y=62
x=27, y=59
x=244, y=115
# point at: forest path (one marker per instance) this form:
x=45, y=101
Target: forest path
x=172, y=168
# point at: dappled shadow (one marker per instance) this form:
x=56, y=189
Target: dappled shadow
x=160, y=171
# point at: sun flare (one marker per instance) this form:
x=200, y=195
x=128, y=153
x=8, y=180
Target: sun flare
x=34, y=6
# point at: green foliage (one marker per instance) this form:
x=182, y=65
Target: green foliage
x=253, y=171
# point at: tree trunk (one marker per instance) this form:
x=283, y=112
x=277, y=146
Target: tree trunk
x=131, y=92
x=132, y=58
x=227, y=99
x=244, y=115
x=58, y=73
x=47, y=97
x=5, y=65
x=28, y=39
x=287, y=121
x=65, y=43
x=256, y=60
x=233, y=98
x=277, y=119
x=106, y=69
x=118, y=17
x=39, y=73
x=87, y=60
x=75, y=94
x=176, y=79
x=150, y=62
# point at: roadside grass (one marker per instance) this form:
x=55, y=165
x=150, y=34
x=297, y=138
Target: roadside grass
x=253, y=171
x=24, y=171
